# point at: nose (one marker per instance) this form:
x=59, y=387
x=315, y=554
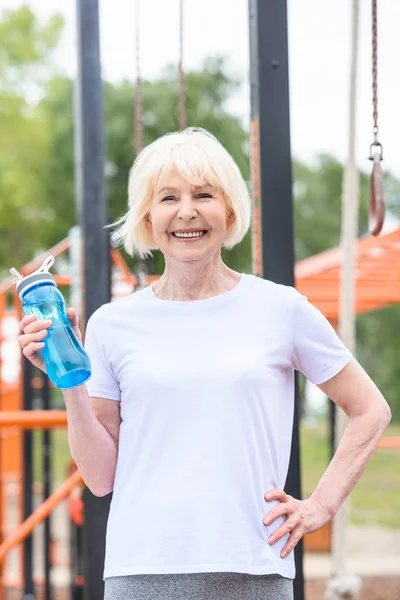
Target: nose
x=187, y=209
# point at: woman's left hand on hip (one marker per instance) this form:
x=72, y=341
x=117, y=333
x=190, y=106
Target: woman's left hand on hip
x=302, y=516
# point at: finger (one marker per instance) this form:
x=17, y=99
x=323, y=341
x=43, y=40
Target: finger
x=37, y=336
x=292, y=542
x=287, y=527
x=32, y=348
x=72, y=316
x=26, y=320
x=36, y=326
x=283, y=509
x=276, y=495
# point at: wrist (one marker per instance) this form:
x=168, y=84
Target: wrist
x=327, y=508
x=78, y=392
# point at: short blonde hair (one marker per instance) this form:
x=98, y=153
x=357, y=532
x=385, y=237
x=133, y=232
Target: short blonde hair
x=199, y=157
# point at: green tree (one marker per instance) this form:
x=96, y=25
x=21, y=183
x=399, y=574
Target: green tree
x=25, y=45
x=317, y=194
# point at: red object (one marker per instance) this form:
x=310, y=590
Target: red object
x=75, y=509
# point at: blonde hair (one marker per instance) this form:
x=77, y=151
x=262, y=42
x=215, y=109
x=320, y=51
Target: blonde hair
x=199, y=157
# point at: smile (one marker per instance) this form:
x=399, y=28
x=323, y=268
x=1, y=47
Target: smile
x=189, y=235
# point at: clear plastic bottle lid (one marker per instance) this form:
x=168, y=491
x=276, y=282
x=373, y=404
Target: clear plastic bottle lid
x=41, y=274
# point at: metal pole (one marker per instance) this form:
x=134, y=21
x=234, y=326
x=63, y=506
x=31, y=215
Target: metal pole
x=344, y=584
x=92, y=214
x=46, y=489
x=28, y=483
x=273, y=245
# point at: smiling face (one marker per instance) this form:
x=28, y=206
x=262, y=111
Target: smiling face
x=188, y=222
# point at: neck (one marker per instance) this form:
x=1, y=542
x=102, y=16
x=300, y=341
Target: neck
x=191, y=281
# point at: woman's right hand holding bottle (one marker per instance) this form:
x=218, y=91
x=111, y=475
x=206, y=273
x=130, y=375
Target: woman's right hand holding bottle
x=35, y=332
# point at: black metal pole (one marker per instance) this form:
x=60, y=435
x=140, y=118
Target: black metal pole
x=46, y=489
x=273, y=244
x=28, y=481
x=92, y=216
x=77, y=574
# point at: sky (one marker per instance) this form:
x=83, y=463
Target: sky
x=319, y=61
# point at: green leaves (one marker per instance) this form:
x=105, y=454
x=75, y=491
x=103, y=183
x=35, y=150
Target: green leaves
x=25, y=43
x=25, y=48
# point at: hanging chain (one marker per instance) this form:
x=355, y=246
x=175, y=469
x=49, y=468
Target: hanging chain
x=182, y=107
x=376, y=145
x=138, y=96
x=375, y=68
x=376, y=213
x=141, y=268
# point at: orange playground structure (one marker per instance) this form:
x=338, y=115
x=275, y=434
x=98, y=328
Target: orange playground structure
x=377, y=282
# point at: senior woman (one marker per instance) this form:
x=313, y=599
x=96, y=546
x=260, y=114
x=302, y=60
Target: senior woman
x=188, y=414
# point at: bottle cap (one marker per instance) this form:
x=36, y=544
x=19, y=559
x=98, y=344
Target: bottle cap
x=41, y=274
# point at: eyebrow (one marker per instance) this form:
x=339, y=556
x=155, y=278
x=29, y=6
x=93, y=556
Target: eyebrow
x=195, y=187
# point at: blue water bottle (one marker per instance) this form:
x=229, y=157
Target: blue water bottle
x=67, y=363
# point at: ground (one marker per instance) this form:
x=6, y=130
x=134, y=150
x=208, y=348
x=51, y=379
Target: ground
x=373, y=588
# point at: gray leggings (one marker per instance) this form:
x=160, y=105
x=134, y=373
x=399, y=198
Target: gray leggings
x=199, y=586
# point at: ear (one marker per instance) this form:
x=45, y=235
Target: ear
x=231, y=218
x=149, y=227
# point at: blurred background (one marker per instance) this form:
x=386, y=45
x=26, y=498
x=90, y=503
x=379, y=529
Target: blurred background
x=38, y=64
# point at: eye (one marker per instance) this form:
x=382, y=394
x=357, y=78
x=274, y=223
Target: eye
x=203, y=195
x=168, y=198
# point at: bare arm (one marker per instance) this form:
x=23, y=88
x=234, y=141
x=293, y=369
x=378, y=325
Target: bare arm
x=369, y=415
x=93, y=423
x=93, y=436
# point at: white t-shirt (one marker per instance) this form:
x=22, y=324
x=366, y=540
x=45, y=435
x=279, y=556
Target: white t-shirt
x=207, y=397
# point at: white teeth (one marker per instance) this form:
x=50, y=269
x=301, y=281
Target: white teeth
x=188, y=235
